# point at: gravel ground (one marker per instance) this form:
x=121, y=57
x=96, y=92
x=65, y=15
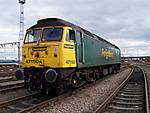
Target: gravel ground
x=86, y=99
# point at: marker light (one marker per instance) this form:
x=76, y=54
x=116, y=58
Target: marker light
x=31, y=53
x=46, y=52
x=37, y=55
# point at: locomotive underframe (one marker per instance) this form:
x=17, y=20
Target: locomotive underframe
x=35, y=78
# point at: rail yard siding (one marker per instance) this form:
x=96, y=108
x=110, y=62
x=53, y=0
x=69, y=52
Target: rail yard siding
x=87, y=99
x=8, y=61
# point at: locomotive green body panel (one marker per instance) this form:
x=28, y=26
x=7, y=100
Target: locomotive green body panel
x=98, y=52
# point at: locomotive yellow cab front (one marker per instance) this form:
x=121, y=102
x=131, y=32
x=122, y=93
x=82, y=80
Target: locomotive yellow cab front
x=48, y=47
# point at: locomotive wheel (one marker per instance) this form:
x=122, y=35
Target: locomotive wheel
x=32, y=84
x=76, y=82
x=92, y=77
x=45, y=87
x=53, y=88
x=115, y=69
x=97, y=74
x=59, y=88
x=29, y=84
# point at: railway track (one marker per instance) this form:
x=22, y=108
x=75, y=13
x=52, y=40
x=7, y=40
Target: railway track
x=20, y=103
x=130, y=97
x=30, y=103
x=6, y=79
x=46, y=102
x=9, y=86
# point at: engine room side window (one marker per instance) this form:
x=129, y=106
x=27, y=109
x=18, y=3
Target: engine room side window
x=52, y=34
x=70, y=35
x=79, y=36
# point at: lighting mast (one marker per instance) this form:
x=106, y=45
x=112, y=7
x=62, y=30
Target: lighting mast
x=21, y=26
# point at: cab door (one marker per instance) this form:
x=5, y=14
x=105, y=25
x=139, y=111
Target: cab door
x=79, y=48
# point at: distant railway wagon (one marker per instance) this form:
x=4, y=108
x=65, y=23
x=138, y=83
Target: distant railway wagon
x=57, y=54
x=8, y=61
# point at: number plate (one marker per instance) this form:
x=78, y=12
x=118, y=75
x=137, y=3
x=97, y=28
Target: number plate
x=40, y=62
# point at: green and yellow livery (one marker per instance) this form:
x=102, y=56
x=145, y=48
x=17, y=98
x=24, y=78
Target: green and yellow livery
x=58, y=54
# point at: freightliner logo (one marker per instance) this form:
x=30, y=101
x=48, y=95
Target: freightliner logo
x=107, y=53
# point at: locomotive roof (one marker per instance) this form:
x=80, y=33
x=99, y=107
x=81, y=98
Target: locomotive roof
x=52, y=22
x=59, y=22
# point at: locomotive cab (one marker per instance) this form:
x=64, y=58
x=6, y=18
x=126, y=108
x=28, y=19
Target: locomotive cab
x=49, y=52
x=49, y=47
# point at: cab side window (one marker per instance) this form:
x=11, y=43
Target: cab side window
x=70, y=35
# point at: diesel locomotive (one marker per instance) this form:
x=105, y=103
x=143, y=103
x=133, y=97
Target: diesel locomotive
x=57, y=55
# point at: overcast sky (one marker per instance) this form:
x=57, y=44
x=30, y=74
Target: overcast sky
x=125, y=23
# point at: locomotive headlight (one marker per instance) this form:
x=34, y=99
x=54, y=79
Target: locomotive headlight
x=37, y=55
x=31, y=53
x=46, y=52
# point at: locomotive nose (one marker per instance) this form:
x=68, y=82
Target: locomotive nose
x=51, y=75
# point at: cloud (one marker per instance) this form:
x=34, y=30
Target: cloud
x=132, y=47
x=126, y=23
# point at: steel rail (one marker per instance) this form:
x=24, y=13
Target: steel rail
x=146, y=91
x=9, y=84
x=112, y=95
x=38, y=106
x=18, y=99
x=109, y=99
x=11, y=88
x=6, y=79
